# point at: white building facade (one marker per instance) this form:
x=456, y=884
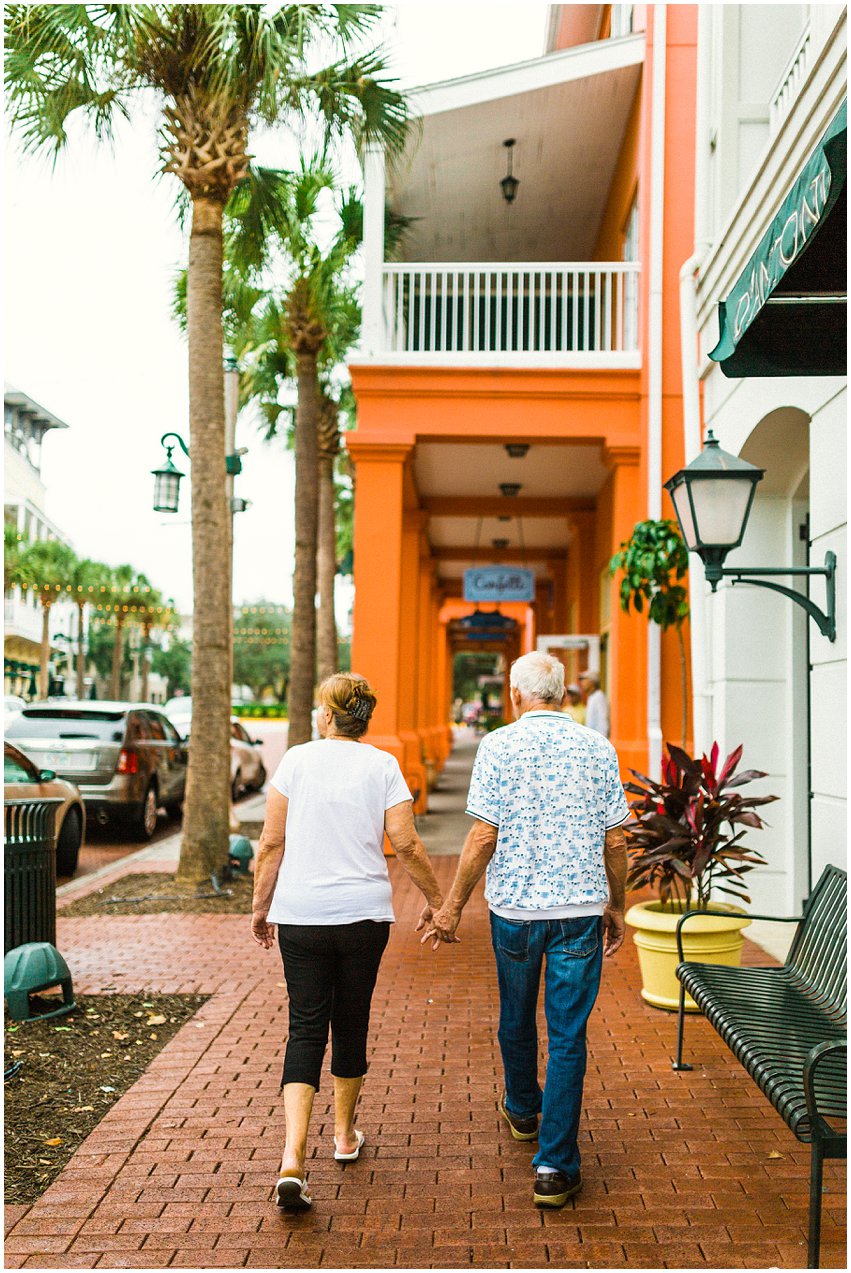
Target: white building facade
x=772, y=83
x=25, y=424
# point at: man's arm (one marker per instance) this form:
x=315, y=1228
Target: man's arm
x=402, y=833
x=616, y=863
x=270, y=855
x=478, y=850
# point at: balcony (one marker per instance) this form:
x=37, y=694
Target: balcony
x=573, y=314
x=790, y=82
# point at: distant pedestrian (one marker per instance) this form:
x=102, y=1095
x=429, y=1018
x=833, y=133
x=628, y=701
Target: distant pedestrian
x=596, y=704
x=548, y=805
x=321, y=878
x=575, y=704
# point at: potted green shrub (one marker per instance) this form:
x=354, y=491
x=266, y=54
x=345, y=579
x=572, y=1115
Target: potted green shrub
x=686, y=840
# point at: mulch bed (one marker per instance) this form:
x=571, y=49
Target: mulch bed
x=156, y=893
x=72, y=1069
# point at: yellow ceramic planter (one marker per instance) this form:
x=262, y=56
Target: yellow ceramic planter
x=707, y=939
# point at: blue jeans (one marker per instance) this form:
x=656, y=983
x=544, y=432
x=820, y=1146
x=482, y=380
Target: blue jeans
x=574, y=959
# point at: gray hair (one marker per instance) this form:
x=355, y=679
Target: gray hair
x=538, y=676
x=592, y=677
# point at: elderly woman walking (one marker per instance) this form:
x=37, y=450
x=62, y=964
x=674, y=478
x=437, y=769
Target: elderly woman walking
x=321, y=877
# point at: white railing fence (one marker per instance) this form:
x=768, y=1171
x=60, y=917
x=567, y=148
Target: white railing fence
x=789, y=84
x=483, y=308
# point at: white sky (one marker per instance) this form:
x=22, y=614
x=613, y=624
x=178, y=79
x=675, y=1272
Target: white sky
x=91, y=248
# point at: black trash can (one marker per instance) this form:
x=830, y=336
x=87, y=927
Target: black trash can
x=29, y=872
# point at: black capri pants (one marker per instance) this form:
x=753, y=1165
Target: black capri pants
x=330, y=971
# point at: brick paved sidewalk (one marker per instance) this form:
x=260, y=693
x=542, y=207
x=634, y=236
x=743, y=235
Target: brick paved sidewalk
x=681, y=1170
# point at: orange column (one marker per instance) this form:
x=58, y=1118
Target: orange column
x=441, y=735
x=376, y=644
x=411, y=657
x=425, y=671
x=627, y=661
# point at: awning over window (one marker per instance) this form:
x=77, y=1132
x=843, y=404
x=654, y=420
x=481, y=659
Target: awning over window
x=787, y=314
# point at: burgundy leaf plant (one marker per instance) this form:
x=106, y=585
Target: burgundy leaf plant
x=686, y=834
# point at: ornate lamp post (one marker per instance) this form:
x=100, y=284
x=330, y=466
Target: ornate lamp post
x=713, y=497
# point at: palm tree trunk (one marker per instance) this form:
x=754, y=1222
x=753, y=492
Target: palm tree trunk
x=205, y=821
x=117, y=659
x=684, y=683
x=303, y=658
x=44, y=659
x=326, y=568
x=146, y=661
x=81, y=652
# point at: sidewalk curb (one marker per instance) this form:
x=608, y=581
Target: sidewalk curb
x=167, y=849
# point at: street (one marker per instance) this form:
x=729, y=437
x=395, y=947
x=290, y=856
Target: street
x=106, y=845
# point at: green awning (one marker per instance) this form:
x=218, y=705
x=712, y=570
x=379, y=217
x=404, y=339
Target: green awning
x=787, y=314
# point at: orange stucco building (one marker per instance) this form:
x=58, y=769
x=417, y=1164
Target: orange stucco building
x=549, y=324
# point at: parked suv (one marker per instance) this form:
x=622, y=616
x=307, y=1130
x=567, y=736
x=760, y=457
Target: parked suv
x=126, y=758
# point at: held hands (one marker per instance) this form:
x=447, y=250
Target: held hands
x=613, y=931
x=262, y=932
x=440, y=925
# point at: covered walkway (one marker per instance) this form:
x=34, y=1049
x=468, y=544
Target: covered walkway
x=681, y=1170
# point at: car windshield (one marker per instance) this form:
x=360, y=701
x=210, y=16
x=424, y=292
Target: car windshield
x=107, y=727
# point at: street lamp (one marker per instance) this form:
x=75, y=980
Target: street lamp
x=712, y=498
x=167, y=478
x=509, y=183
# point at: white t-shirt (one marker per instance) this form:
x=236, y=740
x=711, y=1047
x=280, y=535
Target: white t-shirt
x=334, y=870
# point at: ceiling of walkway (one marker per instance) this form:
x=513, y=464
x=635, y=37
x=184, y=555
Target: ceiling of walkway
x=568, y=113
x=458, y=484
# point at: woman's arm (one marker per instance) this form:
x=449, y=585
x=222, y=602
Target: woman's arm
x=402, y=833
x=270, y=855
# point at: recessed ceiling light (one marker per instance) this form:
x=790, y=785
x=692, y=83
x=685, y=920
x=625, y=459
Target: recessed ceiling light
x=517, y=450
x=500, y=543
x=510, y=489
x=504, y=517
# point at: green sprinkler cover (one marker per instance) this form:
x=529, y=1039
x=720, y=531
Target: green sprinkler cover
x=35, y=966
x=240, y=853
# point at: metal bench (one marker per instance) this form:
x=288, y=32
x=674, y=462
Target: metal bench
x=787, y=1026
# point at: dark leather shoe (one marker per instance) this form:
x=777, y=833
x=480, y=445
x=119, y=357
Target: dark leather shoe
x=521, y=1128
x=552, y=1189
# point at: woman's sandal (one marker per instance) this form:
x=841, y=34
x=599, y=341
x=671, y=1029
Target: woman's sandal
x=291, y=1194
x=359, y=1136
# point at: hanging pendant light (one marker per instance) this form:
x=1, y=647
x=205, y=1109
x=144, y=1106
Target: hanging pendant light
x=509, y=182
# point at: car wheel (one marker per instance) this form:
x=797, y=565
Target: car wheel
x=68, y=844
x=144, y=822
x=236, y=786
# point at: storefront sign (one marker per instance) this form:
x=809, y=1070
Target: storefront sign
x=496, y=583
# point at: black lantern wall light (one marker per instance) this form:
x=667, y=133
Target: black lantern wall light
x=509, y=183
x=713, y=497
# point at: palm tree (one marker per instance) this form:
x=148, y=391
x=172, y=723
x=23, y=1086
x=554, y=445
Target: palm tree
x=216, y=70
x=47, y=566
x=86, y=580
x=300, y=332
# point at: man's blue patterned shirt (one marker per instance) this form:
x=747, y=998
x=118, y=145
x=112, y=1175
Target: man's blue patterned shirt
x=553, y=789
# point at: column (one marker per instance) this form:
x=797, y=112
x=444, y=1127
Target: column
x=373, y=249
x=426, y=661
x=627, y=654
x=376, y=647
x=411, y=656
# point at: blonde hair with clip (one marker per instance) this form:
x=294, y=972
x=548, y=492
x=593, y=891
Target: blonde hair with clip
x=351, y=702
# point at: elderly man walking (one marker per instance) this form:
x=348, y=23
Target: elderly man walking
x=548, y=806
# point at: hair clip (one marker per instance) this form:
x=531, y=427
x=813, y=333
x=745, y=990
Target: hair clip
x=360, y=708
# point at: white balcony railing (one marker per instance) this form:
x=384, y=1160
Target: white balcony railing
x=789, y=84
x=482, y=310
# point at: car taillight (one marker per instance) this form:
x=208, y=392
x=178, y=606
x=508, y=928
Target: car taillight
x=128, y=762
